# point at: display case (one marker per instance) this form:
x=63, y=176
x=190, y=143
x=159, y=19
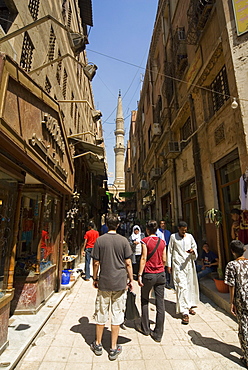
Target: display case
x=37, y=249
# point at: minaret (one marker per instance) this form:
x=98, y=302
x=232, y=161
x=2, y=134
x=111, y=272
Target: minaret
x=119, y=147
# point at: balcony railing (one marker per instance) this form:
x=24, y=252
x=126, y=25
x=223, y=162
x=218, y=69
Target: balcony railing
x=198, y=14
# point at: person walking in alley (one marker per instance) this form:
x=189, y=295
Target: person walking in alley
x=135, y=243
x=181, y=256
x=236, y=276
x=167, y=235
x=152, y=275
x=112, y=254
x=89, y=240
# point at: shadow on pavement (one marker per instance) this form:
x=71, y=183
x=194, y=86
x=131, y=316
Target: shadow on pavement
x=215, y=345
x=87, y=330
x=170, y=308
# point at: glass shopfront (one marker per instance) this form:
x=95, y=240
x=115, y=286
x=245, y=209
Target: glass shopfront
x=38, y=232
x=8, y=197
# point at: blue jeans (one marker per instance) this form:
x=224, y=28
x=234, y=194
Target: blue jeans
x=157, y=282
x=87, y=262
x=201, y=273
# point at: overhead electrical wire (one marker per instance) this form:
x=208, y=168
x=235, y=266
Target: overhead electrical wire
x=167, y=76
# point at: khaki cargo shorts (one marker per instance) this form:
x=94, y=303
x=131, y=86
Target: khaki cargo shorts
x=117, y=300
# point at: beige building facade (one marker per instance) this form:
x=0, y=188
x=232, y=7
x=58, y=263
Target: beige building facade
x=188, y=150
x=52, y=156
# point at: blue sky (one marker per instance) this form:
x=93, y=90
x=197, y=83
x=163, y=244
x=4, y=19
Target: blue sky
x=122, y=30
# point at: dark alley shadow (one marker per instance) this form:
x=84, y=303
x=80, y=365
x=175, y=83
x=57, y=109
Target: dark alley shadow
x=215, y=345
x=87, y=330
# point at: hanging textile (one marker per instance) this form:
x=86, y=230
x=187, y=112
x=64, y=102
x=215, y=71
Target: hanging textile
x=243, y=191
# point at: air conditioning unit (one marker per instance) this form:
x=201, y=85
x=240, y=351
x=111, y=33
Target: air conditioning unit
x=143, y=185
x=173, y=149
x=156, y=130
x=155, y=173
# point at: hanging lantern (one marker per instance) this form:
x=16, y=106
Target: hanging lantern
x=90, y=71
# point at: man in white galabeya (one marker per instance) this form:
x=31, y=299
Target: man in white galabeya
x=181, y=256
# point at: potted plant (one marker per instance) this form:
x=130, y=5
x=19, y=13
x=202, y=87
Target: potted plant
x=215, y=216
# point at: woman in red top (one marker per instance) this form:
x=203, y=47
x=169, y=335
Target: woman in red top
x=152, y=275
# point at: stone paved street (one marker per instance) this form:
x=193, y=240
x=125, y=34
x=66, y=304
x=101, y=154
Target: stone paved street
x=210, y=340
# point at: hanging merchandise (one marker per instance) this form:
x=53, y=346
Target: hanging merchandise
x=243, y=227
x=243, y=182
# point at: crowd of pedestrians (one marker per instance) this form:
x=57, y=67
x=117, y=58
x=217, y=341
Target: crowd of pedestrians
x=157, y=261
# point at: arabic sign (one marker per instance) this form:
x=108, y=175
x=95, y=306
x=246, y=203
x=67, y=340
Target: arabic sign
x=240, y=8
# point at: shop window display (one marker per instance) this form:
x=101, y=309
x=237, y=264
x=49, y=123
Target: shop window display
x=8, y=196
x=49, y=233
x=38, y=233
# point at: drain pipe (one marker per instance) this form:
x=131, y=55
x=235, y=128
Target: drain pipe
x=198, y=171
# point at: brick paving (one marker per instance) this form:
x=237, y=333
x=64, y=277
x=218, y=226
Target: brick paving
x=210, y=341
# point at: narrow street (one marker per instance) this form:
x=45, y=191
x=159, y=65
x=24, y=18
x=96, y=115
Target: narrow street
x=210, y=341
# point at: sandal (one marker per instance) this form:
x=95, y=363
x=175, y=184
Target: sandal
x=192, y=312
x=185, y=319
x=244, y=362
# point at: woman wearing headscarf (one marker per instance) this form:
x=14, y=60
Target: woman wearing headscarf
x=136, y=246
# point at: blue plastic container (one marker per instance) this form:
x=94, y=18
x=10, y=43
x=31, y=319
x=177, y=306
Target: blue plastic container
x=65, y=278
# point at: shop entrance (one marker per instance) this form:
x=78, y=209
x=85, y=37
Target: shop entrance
x=190, y=212
x=228, y=173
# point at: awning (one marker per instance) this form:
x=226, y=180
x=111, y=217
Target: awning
x=127, y=194
x=92, y=154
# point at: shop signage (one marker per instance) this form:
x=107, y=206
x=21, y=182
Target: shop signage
x=51, y=142
x=54, y=131
x=240, y=8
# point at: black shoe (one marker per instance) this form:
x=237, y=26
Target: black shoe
x=154, y=338
x=140, y=330
x=168, y=286
x=96, y=348
x=114, y=353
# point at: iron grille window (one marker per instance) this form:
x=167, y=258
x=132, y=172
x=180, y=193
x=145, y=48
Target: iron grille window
x=69, y=16
x=220, y=89
x=27, y=53
x=72, y=98
x=75, y=116
x=186, y=132
x=33, y=7
x=48, y=86
x=52, y=41
x=181, y=33
x=59, y=68
x=4, y=14
x=79, y=71
x=64, y=10
x=65, y=76
x=149, y=136
x=8, y=13
x=78, y=124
